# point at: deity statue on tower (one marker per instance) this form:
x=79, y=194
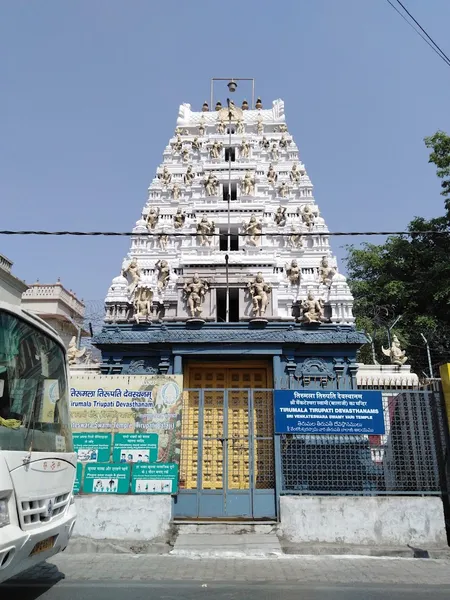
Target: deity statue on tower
x=143, y=304
x=195, y=291
x=293, y=272
x=134, y=273
x=253, y=229
x=248, y=184
x=312, y=309
x=259, y=291
x=205, y=231
x=179, y=219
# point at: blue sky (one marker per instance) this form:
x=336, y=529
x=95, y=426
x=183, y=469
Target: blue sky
x=90, y=91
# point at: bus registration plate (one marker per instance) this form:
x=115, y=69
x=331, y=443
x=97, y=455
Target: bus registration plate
x=43, y=545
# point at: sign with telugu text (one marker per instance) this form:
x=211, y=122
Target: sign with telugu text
x=315, y=412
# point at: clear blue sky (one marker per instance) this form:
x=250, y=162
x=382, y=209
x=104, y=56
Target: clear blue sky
x=90, y=91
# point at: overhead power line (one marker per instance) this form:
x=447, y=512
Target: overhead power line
x=420, y=31
x=194, y=234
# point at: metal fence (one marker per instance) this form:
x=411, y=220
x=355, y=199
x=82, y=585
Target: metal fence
x=410, y=459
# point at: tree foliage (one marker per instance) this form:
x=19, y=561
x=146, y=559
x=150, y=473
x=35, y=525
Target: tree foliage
x=408, y=276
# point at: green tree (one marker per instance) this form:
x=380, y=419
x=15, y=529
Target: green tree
x=408, y=276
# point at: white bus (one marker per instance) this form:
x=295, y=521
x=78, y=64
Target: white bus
x=37, y=462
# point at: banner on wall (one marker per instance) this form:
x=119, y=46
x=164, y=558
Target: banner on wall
x=120, y=421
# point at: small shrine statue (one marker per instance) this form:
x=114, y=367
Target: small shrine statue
x=395, y=353
x=274, y=152
x=178, y=144
x=259, y=291
x=201, y=127
x=134, y=272
x=211, y=184
x=163, y=269
x=259, y=126
x=73, y=353
x=248, y=184
x=253, y=229
x=282, y=128
x=189, y=176
x=293, y=272
x=280, y=216
x=220, y=128
x=240, y=126
x=245, y=148
x=205, y=231
x=178, y=131
x=165, y=176
x=264, y=143
x=152, y=218
x=163, y=240
x=143, y=304
x=295, y=173
x=195, y=291
x=272, y=175
x=326, y=273
x=216, y=149
x=185, y=155
x=295, y=239
x=175, y=191
x=307, y=216
x=284, y=143
x=312, y=309
x=283, y=190
x=179, y=219
x=196, y=144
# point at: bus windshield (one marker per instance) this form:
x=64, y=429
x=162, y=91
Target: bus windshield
x=34, y=405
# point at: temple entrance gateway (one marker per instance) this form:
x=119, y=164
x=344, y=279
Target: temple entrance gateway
x=227, y=450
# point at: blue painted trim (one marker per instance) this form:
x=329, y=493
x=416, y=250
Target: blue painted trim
x=177, y=365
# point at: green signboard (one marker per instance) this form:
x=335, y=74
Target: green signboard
x=160, y=478
x=78, y=476
x=135, y=447
x=106, y=479
x=92, y=447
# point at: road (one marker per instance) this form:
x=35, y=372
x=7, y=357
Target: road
x=151, y=577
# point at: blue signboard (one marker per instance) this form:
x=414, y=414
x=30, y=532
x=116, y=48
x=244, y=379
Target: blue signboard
x=329, y=411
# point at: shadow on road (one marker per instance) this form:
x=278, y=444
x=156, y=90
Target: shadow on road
x=31, y=584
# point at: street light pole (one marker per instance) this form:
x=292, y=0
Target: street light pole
x=227, y=309
x=430, y=366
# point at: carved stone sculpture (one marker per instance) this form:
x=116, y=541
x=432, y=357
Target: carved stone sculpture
x=396, y=355
x=205, y=231
x=220, y=128
x=245, y=148
x=253, y=229
x=280, y=216
x=240, y=126
x=211, y=184
x=175, y=191
x=283, y=190
x=163, y=240
x=134, y=273
x=163, y=277
x=179, y=219
x=259, y=126
x=165, y=176
x=259, y=291
x=178, y=131
x=152, y=218
x=248, y=184
x=282, y=128
x=189, y=176
x=178, y=144
x=185, y=155
x=326, y=273
x=274, y=152
x=143, y=304
x=201, y=127
x=195, y=291
x=272, y=175
x=295, y=239
x=216, y=149
x=295, y=173
x=312, y=309
x=265, y=143
x=307, y=216
x=196, y=144
x=293, y=272
x=73, y=353
x=283, y=142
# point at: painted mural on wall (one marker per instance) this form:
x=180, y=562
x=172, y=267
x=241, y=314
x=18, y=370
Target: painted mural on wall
x=121, y=422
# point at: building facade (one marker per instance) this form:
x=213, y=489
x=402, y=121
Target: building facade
x=11, y=287
x=230, y=280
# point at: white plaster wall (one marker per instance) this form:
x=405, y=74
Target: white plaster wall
x=388, y=521
x=118, y=517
